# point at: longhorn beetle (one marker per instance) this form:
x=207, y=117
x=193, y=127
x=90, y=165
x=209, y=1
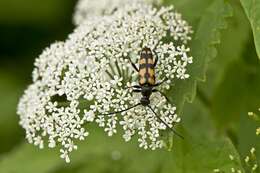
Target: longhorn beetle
x=147, y=83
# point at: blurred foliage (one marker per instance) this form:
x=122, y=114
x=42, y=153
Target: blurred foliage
x=252, y=10
x=25, y=30
x=215, y=124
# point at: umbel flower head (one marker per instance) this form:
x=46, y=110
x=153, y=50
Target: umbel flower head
x=78, y=81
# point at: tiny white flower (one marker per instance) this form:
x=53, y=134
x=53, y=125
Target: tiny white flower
x=247, y=159
x=231, y=157
x=252, y=150
x=52, y=143
x=64, y=155
x=70, y=145
x=90, y=97
x=254, y=167
x=216, y=170
x=89, y=115
x=80, y=134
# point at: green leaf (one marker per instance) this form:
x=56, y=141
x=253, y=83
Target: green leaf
x=240, y=89
x=252, y=10
x=238, y=94
x=234, y=41
x=203, y=150
x=203, y=49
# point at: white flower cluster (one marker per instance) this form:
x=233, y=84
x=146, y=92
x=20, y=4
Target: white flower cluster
x=92, y=8
x=85, y=77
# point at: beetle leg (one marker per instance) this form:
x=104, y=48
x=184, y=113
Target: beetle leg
x=159, y=118
x=134, y=86
x=158, y=84
x=133, y=65
x=155, y=60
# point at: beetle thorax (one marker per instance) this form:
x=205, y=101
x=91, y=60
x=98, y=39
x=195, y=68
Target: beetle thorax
x=146, y=93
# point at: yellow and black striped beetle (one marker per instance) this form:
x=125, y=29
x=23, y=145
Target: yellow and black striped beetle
x=147, y=83
x=146, y=74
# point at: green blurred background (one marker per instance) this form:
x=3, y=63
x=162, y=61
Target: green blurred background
x=26, y=28
x=232, y=89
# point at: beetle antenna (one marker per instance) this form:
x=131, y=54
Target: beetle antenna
x=122, y=110
x=172, y=129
